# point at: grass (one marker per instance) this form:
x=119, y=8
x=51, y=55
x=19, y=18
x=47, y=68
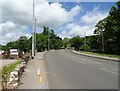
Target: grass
x=7, y=69
x=98, y=54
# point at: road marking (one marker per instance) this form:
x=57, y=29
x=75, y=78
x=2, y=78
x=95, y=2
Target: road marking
x=54, y=74
x=90, y=61
x=36, y=64
x=116, y=69
x=94, y=62
x=40, y=77
x=38, y=71
x=84, y=59
x=79, y=61
x=47, y=72
x=104, y=69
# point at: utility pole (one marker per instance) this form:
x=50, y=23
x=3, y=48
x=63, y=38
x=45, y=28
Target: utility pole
x=102, y=41
x=33, y=32
x=85, y=41
x=35, y=39
x=48, y=39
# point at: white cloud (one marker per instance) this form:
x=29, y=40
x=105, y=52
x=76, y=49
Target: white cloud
x=64, y=34
x=17, y=16
x=88, y=21
x=94, y=16
x=10, y=31
x=53, y=14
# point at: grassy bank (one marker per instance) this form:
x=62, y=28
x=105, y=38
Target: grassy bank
x=98, y=54
x=10, y=67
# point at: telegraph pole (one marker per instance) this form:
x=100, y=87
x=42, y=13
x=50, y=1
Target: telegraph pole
x=35, y=38
x=33, y=31
x=102, y=42
x=85, y=41
x=48, y=40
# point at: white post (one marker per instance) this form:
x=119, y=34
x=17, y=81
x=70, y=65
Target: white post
x=33, y=33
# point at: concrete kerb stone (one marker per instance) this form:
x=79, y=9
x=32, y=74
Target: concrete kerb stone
x=110, y=59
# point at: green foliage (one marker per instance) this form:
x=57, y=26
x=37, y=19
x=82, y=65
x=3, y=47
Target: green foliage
x=111, y=30
x=7, y=69
x=22, y=43
x=66, y=42
x=109, y=26
x=47, y=37
x=76, y=42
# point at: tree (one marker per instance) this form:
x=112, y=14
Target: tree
x=76, y=42
x=22, y=43
x=111, y=27
x=41, y=42
x=66, y=42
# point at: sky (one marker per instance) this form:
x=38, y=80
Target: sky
x=67, y=19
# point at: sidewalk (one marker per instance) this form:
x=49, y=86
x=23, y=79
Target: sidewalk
x=30, y=79
x=95, y=56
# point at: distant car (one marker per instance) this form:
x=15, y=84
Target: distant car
x=1, y=54
x=14, y=53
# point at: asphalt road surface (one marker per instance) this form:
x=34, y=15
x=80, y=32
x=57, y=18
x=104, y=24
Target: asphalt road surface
x=66, y=70
x=6, y=62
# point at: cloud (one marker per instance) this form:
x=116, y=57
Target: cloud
x=64, y=34
x=47, y=14
x=94, y=16
x=10, y=31
x=17, y=17
x=88, y=21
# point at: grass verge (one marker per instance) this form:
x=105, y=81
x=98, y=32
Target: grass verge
x=8, y=68
x=98, y=54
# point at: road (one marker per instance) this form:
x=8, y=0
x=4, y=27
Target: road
x=6, y=62
x=66, y=70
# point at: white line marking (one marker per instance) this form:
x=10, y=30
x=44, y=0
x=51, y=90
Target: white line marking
x=79, y=62
x=104, y=69
x=95, y=62
x=91, y=61
x=54, y=74
x=84, y=59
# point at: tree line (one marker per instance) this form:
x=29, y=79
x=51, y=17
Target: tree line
x=105, y=40
x=44, y=41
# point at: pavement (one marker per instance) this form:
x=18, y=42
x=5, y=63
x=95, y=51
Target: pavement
x=96, y=56
x=34, y=78
x=67, y=70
